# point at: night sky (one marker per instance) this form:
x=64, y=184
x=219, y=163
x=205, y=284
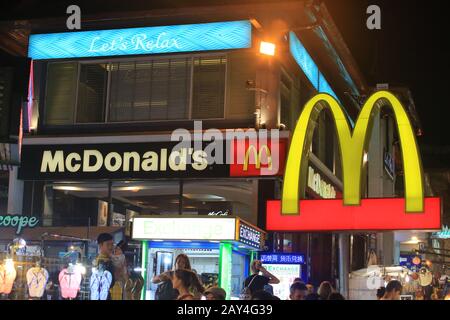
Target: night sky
x=411, y=49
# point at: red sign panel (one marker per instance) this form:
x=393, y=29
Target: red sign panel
x=372, y=214
x=257, y=158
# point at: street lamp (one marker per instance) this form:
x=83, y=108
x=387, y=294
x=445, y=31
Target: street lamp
x=267, y=48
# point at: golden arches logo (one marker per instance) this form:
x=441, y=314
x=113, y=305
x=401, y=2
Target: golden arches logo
x=257, y=156
x=352, y=146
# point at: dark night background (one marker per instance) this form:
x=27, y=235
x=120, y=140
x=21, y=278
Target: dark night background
x=411, y=49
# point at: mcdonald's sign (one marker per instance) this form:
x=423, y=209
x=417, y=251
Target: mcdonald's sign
x=415, y=211
x=253, y=157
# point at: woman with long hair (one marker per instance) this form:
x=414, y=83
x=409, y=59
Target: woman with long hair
x=325, y=289
x=187, y=284
x=181, y=262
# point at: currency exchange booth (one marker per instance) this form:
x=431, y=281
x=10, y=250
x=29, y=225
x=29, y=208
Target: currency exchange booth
x=220, y=248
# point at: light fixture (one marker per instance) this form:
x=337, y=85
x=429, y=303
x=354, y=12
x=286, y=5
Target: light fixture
x=214, y=241
x=158, y=240
x=167, y=260
x=365, y=158
x=80, y=268
x=407, y=278
x=267, y=48
x=186, y=241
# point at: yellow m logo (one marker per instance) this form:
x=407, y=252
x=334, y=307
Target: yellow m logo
x=352, y=146
x=257, y=156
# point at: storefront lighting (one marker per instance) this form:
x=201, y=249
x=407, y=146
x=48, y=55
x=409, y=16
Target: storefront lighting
x=186, y=241
x=267, y=48
x=167, y=260
x=80, y=268
x=214, y=241
x=158, y=240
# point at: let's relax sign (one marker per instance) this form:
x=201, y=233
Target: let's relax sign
x=145, y=40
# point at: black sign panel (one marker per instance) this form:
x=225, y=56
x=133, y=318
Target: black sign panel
x=149, y=160
x=249, y=235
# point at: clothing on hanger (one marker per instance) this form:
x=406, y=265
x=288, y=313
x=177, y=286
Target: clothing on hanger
x=7, y=276
x=69, y=283
x=100, y=284
x=37, y=278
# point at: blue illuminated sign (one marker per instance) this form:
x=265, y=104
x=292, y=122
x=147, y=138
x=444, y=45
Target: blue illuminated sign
x=282, y=258
x=145, y=40
x=407, y=260
x=308, y=66
x=303, y=59
x=325, y=87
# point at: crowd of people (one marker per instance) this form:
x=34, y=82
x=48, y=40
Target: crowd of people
x=183, y=283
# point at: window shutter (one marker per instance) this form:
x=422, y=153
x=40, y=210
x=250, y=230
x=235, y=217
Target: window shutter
x=209, y=88
x=60, y=98
x=92, y=93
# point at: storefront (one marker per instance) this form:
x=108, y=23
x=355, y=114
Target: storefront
x=287, y=267
x=220, y=248
x=44, y=254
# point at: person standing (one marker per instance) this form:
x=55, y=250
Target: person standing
x=165, y=289
x=215, y=293
x=393, y=290
x=187, y=284
x=105, y=249
x=256, y=282
x=298, y=291
x=325, y=289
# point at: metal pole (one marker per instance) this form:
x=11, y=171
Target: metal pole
x=343, y=264
x=180, y=202
x=110, y=219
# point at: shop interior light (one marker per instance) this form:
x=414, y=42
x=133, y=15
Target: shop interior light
x=79, y=267
x=158, y=240
x=365, y=158
x=186, y=241
x=267, y=48
x=214, y=241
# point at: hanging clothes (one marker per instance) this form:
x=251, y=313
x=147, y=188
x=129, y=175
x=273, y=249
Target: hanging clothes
x=69, y=281
x=37, y=281
x=100, y=284
x=7, y=276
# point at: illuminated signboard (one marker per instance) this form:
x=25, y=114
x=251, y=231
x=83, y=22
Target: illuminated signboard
x=144, y=40
x=352, y=213
x=443, y=234
x=18, y=222
x=282, y=258
x=249, y=235
x=184, y=228
x=303, y=59
x=286, y=273
x=308, y=66
x=319, y=186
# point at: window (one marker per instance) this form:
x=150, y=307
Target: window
x=209, y=88
x=91, y=93
x=61, y=89
x=136, y=90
